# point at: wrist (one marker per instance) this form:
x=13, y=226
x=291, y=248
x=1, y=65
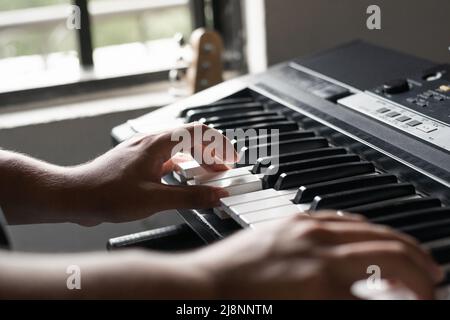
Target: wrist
x=213, y=272
x=202, y=284
x=80, y=196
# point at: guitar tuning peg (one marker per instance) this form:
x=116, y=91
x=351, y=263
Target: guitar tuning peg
x=179, y=38
x=206, y=64
x=208, y=47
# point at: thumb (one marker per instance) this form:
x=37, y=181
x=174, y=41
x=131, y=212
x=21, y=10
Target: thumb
x=194, y=197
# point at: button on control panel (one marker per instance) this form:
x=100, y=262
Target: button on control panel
x=400, y=117
x=426, y=128
x=413, y=123
x=403, y=118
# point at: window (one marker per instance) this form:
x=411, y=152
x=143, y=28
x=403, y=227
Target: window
x=33, y=38
x=137, y=35
x=37, y=49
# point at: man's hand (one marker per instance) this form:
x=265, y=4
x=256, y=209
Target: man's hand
x=315, y=258
x=301, y=258
x=123, y=184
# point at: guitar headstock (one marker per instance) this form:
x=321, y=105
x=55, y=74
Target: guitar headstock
x=206, y=67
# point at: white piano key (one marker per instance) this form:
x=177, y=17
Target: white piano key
x=189, y=169
x=303, y=207
x=238, y=185
x=254, y=196
x=221, y=213
x=268, y=214
x=259, y=205
x=213, y=176
x=262, y=224
x=443, y=293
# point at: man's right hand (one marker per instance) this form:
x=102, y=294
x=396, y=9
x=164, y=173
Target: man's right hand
x=315, y=258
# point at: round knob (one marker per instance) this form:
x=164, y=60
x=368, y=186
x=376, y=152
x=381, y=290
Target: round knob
x=396, y=86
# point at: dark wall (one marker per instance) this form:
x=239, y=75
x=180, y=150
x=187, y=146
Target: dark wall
x=299, y=27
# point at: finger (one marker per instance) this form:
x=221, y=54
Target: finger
x=395, y=263
x=168, y=167
x=173, y=163
x=222, y=147
x=355, y=230
x=368, y=232
x=209, y=161
x=192, y=197
x=216, y=166
x=333, y=233
x=331, y=216
x=191, y=137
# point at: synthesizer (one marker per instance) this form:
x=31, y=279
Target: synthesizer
x=361, y=128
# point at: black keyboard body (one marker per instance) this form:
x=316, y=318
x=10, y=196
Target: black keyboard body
x=309, y=92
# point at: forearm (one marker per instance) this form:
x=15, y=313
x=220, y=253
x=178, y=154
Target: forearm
x=32, y=191
x=122, y=275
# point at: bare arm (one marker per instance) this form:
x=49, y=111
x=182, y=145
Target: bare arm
x=132, y=274
x=311, y=258
x=123, y=184
x=32, y=191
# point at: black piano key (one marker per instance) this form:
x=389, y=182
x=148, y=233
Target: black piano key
x=293, y=145
x=429, y=231
x=390, y=207
x=303, y=177
x=414, y=217
x=195, y=115
x=273, y=105
x=302, y=144
x=441, y=253
x=224, y=102
x=345, y=199
x=295, y=116
x=308, y=123
x=246, y=122
x=267, y=138
x=307, y=193
x=240, y=116
x=265, y=162
x=281, y=126
x=271, y=176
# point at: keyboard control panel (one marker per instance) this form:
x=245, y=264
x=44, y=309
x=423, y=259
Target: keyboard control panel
x=405, y=119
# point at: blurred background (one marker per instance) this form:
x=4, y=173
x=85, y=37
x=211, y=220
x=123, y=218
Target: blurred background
x=122, y=37
x=62, y=90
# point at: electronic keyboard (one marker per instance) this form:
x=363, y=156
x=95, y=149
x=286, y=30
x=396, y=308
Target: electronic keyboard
x=361, y=129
